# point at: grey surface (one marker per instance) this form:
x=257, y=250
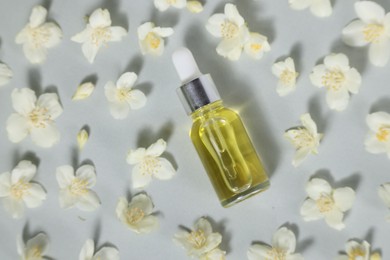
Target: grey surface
x=246, y=85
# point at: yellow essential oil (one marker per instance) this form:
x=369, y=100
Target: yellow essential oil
x=219, y=136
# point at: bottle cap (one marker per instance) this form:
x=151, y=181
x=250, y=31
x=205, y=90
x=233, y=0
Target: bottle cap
x=197, y=90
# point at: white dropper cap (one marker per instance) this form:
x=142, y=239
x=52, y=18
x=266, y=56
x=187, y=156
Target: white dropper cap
x=185, y=65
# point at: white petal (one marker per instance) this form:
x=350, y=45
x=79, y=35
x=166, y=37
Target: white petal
x=20, y=246
x=5, y=184
x=299, y=4
x=309, y=210
x=25, y=170
x=373, y=145
x=338, y=61
x=23, y=100
x=213, y=240
x=87, y=173
x=54, y=35
x=82, y=36
x=344, y=198
x=157, y=148
x=67, y=199
x=204, y=225
x=143, y=202
x=317, y=74
x=163, y=31
x=87, y=250
x=284, y=239
x=121, y=208
x=334, y=219
x=90, y=50
x=337, y=100
x=377, y=120
x=109, y=253
x=45, y=137
x=295, y=257
x=6, y=74
x=35, y=54
x=308, y=123
x=65, y=176
x=230, y=49
x=136, y=156
x=83, y=91
x=14, y=207
x=353, y=34
x=161, y=5
x=379, y=53
x=100, y=18
x=82, y=138
x=321, y=8
x=17, y=128
x=233, y=15
x=127, y=80
x=110, y=90
x=23, y=36
x=194, y=6
x=283, y=89
x=38, y=16
x=370, y=12
x=261, y=45
x=144, y=29
x=40, y=242
x=88, y=202
x=140, y=179
x=36, y=195
x=353, y=80
x=165, y=171
x=364, y=246
x=119, y=110
x=117, y=33
x=137, y=99
x=147, y=225
x=300, y=155
x=317, y=187
x=258, y=251
x=179, y=3
x=214, y=24
x=384, y=193
x=215, y=254
x=278, y=68
x=51, y=103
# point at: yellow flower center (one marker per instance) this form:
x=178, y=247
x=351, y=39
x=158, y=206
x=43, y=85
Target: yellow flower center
x=153, y=40
x=172, y=2
x=256, y=47
x=302, y=138
x=383, y=134
x=134, y=215
x=357, y=253
x=123, y=94
x=197, y=238
x=39, y=36
x=288, y=77
x=100, y=36
x=276, y=254
x=39, y=117
x=20, y=189
x=333, y=80
x=325, y=203
x=78, y=186
x=229, y=30
x=150, y=165
x=373, y=32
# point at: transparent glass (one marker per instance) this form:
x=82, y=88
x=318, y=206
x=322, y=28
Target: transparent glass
x=227, y=153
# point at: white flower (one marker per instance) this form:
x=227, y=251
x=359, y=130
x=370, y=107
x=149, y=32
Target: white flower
x=105, y=253
x=34, y=117
x=16, y=189
x=75, y=190
x=320, y=8
x=82, y=138
x=384, y=194
x=163, y=5
x=122, y=97
x=83, y=91
x=328, y=203
x=6, y=74
x=194, y=6
x=231, y=27
x=98, y=33
x=38, y=36
x=338, y=78
x=285, y=71
x=283, y=247
x=304, y=138
x=359, y=251
x=215, y=254
x=378, y=139
x=150, y=38
x=256, y=45
x=137, y=215
x=200, y=241
x=35, y=248
x=372, y=27
x=148, y=163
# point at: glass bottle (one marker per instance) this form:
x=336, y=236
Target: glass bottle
x=219, y=136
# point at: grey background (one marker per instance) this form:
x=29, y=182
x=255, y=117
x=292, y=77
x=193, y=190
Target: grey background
x=247, y=86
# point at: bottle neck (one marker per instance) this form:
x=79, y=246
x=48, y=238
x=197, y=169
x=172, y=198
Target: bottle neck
x=202, y=111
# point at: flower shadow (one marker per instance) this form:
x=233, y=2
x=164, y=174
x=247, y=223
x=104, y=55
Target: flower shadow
x=97, y=231
x=382, y=104
x=135, y=65
x=35, y=80
x=27, y=234
x=168, y=18
x=220, y=227
x=237, y=93
x=29, y=156
x=352, y=181
x=118, y=18
x=319, y=117
x=93, y=78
